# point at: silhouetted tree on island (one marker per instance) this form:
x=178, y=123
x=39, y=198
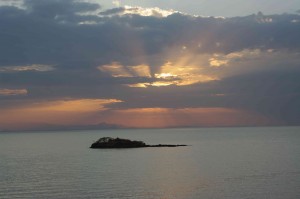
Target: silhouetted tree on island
x=108, y=142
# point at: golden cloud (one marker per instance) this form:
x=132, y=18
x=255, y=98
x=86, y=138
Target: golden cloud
x=8, y=92
x=64, y=112
x=79, y=105
x=116, y=69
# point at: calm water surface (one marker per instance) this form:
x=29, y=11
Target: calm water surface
x=231, y=163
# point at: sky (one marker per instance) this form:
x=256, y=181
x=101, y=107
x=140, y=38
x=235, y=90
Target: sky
x=148, y=64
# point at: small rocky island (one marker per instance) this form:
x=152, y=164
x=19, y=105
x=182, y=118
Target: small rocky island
x=110, y=143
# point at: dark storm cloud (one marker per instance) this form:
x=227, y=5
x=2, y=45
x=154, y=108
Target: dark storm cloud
x=58, y=9
x=48, y=32
x=54, y=33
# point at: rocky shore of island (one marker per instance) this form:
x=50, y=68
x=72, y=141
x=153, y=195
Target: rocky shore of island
x=110, y=143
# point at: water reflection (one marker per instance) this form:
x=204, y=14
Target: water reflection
x=228, y=163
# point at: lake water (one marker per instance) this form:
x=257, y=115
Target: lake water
x=231, y=163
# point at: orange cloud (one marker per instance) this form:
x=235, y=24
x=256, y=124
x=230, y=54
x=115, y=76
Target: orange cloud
x=64, y=112
x=94, y=111
x=81, y=105
x=115, y=69
x=8, y=92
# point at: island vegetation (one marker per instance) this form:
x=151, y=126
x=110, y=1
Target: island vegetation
x=108, y=142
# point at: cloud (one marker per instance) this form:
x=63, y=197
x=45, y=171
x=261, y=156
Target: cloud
x=135, y=10
x=53, y=112
x=34, y=67
x=154, y=12
x=16, y=3
x=78, y=105
x=10, y=92
x=113, y=11
x=56, y=9
x=149, y=58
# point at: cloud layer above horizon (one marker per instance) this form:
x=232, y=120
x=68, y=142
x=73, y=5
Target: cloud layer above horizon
x=145, y=61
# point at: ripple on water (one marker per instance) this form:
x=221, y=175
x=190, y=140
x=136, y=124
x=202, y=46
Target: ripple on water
x=222, y=163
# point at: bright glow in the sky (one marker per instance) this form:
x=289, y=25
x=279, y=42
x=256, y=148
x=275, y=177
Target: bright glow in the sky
x=157, y=12
x=63, y=112
x=149, y=63
x=79, y=105
x=165, y=117
x=169, y=74
x=227, y=8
